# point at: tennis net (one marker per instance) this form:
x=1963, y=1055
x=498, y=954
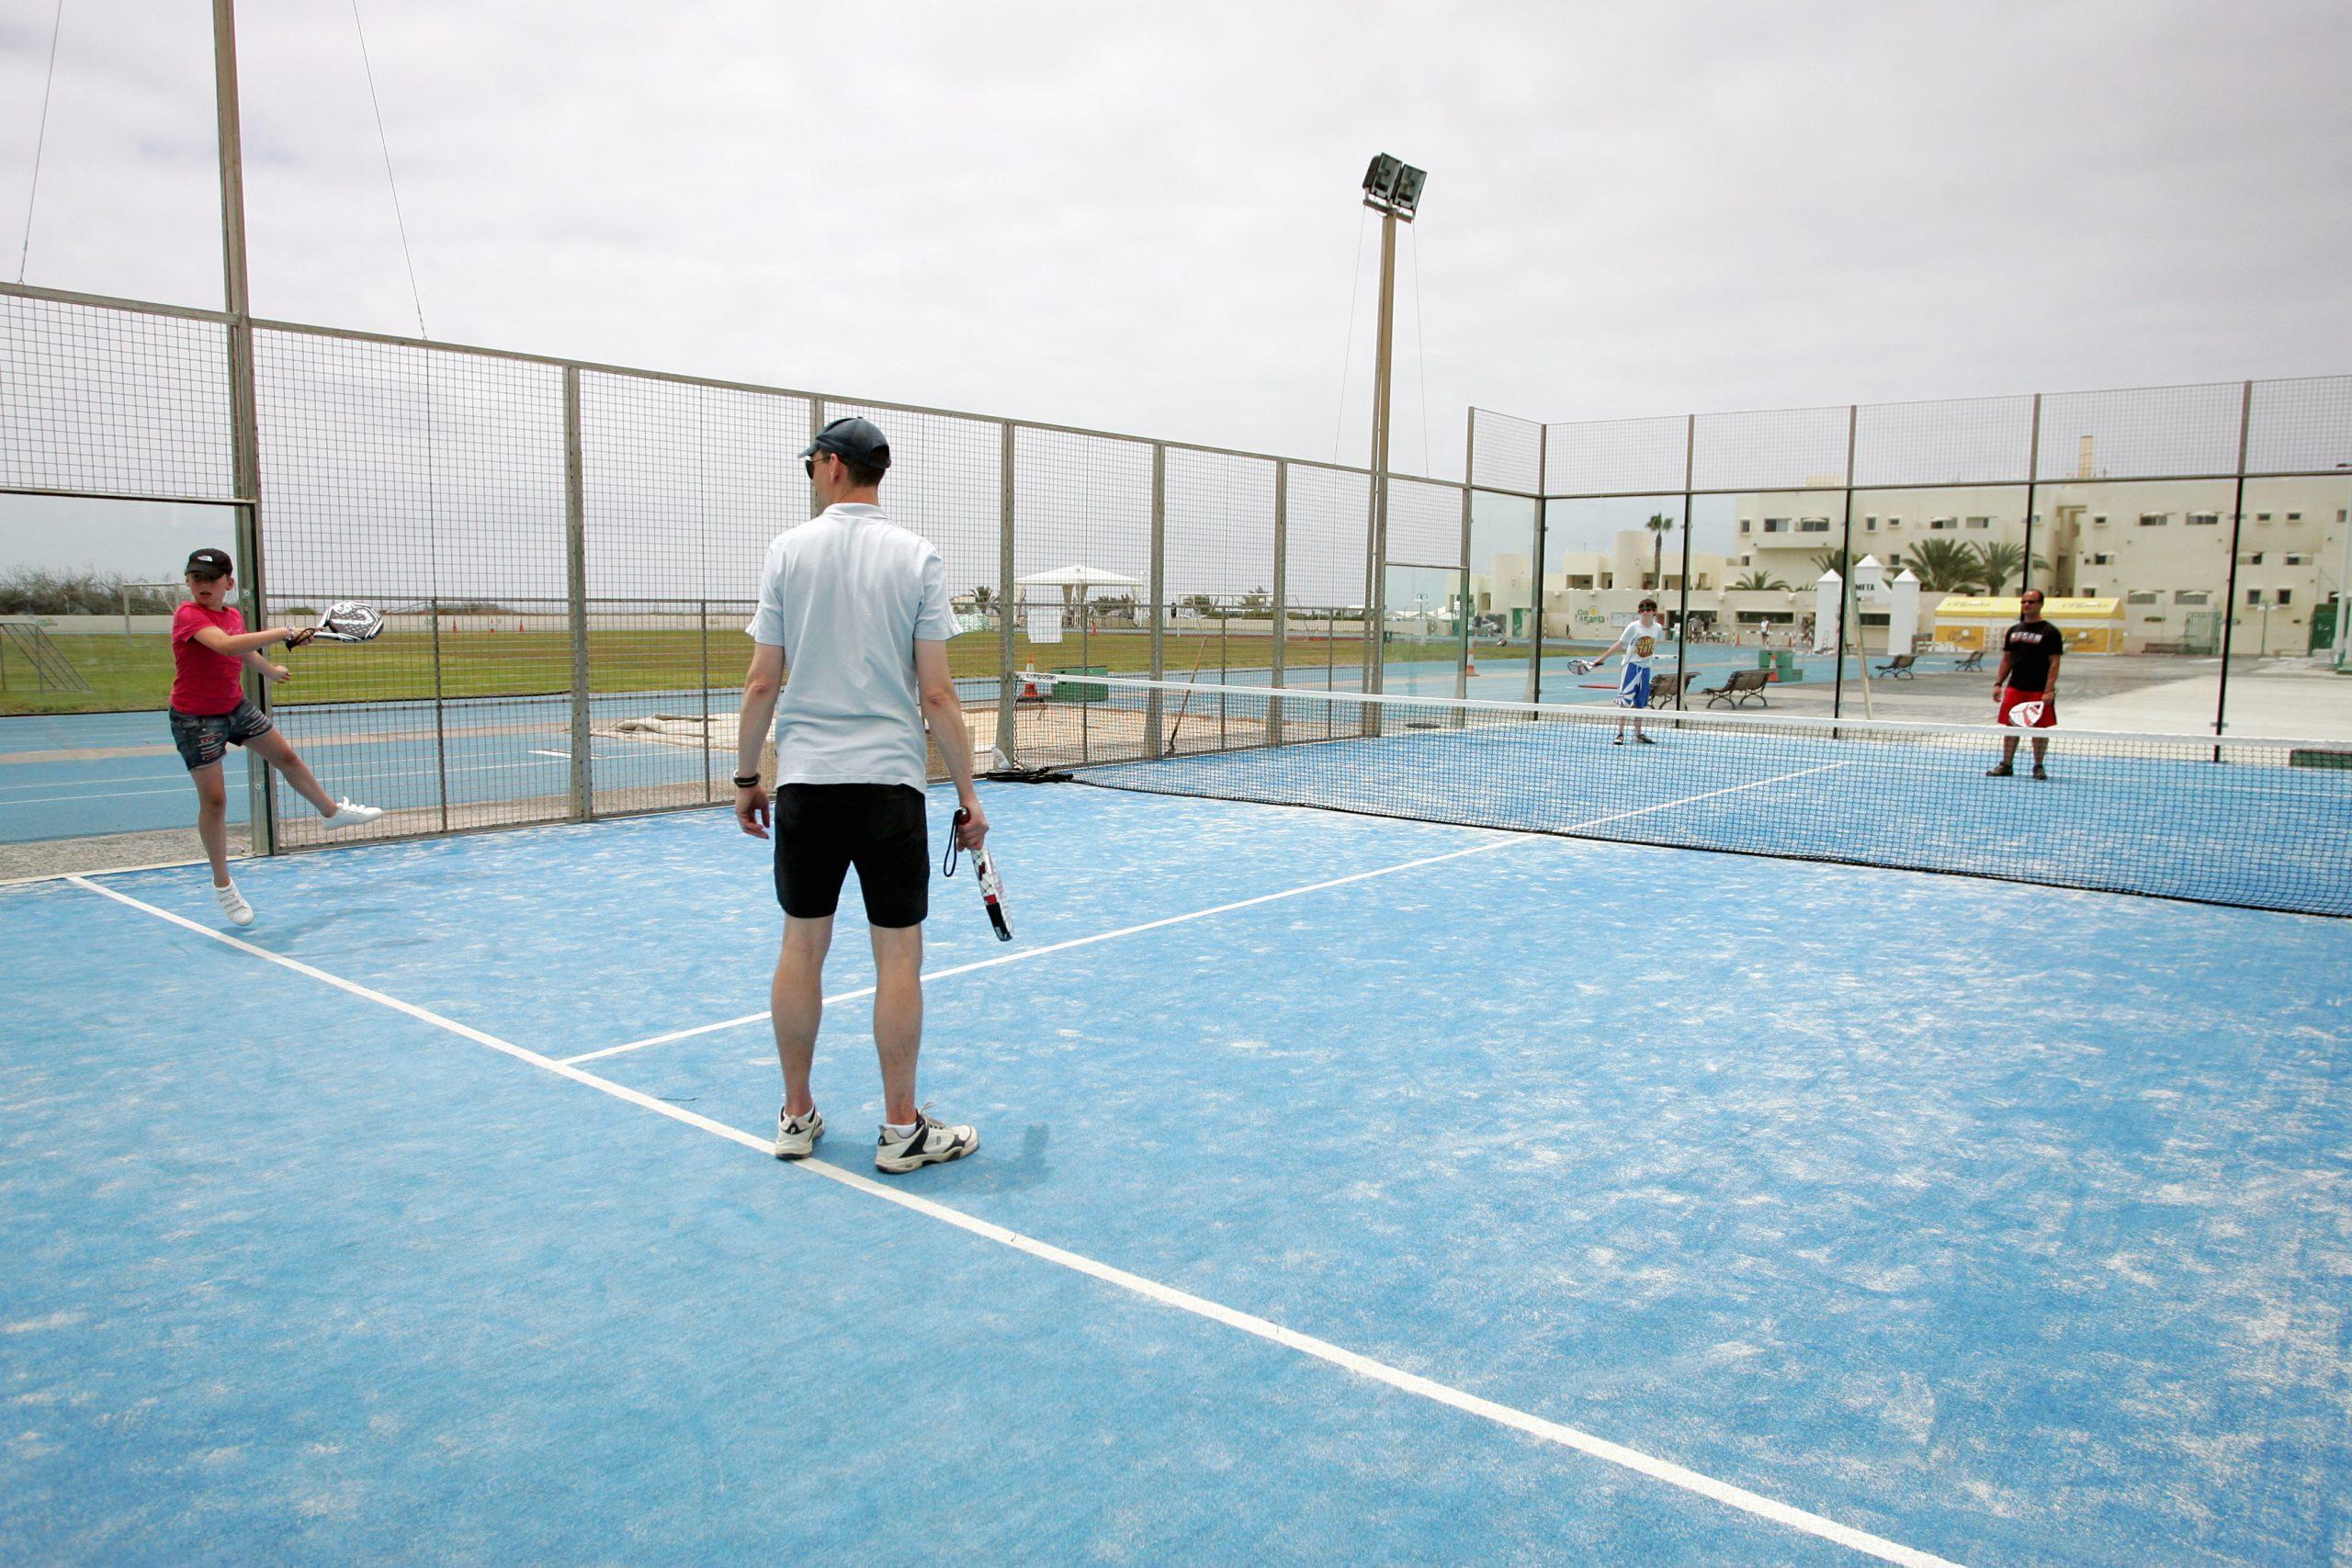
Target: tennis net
x=2261, y=823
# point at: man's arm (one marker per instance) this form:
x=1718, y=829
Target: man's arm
x=2050, y=684
x=943, y=711
x=2001, y=676
x=762, y=681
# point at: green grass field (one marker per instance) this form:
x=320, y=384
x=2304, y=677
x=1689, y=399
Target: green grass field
x=135, y=673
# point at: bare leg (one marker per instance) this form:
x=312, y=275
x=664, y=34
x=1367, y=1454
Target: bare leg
x=279, y=753
x=897, y=1016
x=2040, y=748
x=2008, y=751
x=797, y=999
x=212, y=819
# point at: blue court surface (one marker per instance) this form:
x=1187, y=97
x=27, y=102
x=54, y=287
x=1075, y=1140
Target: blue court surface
x=1351, y=1190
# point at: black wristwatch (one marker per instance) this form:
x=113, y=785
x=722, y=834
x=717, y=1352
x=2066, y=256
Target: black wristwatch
x=747, y=781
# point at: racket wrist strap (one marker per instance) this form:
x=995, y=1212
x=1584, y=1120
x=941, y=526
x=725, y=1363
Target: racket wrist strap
x=747, y=781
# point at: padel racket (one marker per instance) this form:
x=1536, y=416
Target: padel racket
x=984, y=867
x=347, y=620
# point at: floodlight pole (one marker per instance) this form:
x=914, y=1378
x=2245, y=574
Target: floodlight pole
x=1392, y=189
x=244, y=434
x=1376, y=606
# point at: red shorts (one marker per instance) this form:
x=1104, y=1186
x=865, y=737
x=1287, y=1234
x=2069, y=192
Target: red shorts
x=2025, y=710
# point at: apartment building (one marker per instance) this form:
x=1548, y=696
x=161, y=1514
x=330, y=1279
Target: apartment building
x=2163, y=548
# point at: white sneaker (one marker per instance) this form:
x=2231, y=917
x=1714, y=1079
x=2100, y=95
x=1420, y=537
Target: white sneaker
x=233, y=905
x=931, y=1143
x=795, y=1136
x=351, y=814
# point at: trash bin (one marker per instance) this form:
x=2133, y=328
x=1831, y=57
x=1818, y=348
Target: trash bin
x=1065, y=690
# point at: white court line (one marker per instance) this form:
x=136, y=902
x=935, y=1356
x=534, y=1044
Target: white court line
x=1025, y=954
x=1666, y=1470
x=1028, y=952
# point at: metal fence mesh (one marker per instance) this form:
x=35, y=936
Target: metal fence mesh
x=567, y=554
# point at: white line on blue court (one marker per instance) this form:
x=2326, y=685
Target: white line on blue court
x=1504, y=841
x=1581, y=1441
x=1029, y=953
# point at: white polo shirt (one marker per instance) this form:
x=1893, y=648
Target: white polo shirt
x=845, y=595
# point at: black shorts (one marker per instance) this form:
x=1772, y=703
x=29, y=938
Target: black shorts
x=205, y=738
x=823, y=829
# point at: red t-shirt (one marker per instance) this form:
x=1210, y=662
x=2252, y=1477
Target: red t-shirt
x=205, y=682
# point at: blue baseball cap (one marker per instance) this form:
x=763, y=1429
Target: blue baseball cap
x=853, y=440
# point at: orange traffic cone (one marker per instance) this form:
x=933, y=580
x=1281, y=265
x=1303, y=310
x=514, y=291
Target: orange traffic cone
x=1029, y=692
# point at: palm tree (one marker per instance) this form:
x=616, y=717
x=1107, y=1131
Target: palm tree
x=1944, y=566
x=1830, y=560
x=1999, y=565
x=1660, y=525
x=1760, y=582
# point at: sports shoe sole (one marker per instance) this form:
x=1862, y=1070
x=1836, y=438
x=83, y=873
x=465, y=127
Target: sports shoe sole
x=901, y=1163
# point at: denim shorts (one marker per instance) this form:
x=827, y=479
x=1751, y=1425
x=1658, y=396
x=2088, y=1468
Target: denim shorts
x=205, y=738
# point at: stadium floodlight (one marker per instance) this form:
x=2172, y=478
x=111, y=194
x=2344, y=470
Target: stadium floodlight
x=1393, y=187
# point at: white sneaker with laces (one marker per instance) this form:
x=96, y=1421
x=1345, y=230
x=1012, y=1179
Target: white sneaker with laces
x=233, y=905
x=930, y=1142
x=351, y=814
x=795, y=1136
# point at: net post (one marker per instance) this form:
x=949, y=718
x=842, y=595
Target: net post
x=2229, y=594
x=1008, y=691
x=1281, y=606
x=575, y=585
x=1156, y=740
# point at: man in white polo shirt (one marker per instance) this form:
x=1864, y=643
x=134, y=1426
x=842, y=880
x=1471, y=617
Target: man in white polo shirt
x=856, y=608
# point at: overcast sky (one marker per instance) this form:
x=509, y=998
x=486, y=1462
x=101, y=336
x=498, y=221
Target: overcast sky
x=1146, y=219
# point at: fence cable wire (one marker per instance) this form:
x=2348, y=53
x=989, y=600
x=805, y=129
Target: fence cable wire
x=1348, y=356
x=40, y=138
x=415, y=296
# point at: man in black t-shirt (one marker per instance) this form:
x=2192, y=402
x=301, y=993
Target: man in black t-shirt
x=2027, y=686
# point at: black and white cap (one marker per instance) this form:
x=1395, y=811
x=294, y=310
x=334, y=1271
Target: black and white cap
x=208, y=563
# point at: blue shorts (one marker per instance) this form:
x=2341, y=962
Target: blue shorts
x=205, y=738
x=1634, y=687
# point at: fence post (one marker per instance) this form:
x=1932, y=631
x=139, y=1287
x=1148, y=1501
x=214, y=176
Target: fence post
x=1008, y=688
x=1535, y=557
x=701, y=624
x=575, y=575
x=244, y=419
x=2229, y=594
x=2032, y=474
x=1846, y=586
x=1155, y=738
x=440, y=720
x=1682, y=622
x=1281, y=606
x=1464, y=609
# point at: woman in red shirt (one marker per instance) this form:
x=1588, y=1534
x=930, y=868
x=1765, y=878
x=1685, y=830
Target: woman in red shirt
x=209, y=713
